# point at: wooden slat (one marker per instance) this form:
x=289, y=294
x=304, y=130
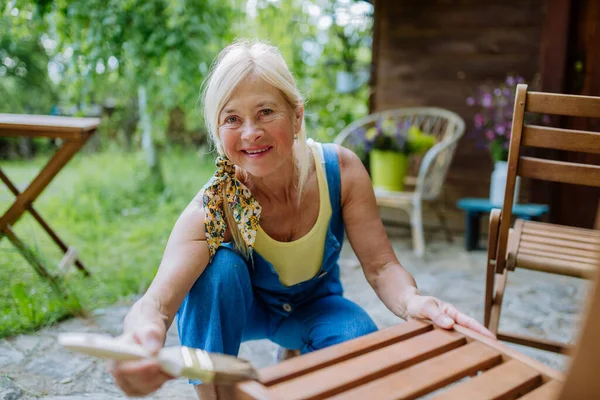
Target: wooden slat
x=563, y=104
x=334, y=354
x=548, y=391
x=561, y=243
x=558, y=256
x=549, y=249
x=561, y=139
x=362, y=369
x=559, y=171
x=503, y=382
x=550, y=229
x=46, y=123
x=547, y=372
x=429, y=375
x=554, y=266
x=583, y=235
x=536, y=342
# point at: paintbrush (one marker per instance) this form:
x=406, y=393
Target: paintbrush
x=177, y=361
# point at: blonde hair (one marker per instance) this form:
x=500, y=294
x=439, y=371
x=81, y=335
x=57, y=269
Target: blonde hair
x=238, y=61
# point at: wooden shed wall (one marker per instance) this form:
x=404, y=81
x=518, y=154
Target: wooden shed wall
x=436, y=53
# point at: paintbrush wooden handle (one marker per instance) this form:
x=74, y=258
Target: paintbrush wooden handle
x=102, y=346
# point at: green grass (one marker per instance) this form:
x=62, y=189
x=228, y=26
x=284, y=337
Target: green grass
x=99, y=204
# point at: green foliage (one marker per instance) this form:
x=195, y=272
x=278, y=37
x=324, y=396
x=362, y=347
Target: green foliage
x=25, y=86
x=322, y=48
x=98, y=205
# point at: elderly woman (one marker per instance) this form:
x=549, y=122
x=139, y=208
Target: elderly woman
x=254, y=255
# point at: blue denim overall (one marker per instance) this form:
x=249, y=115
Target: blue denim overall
x=235, y=300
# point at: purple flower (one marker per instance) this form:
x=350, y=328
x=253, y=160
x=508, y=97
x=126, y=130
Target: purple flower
x=470, y=101
x=486, y=100
x=479, y=120
x=489, y=134
x=498, y=92
x=510, y=80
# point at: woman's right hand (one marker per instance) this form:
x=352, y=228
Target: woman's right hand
x=141, y=377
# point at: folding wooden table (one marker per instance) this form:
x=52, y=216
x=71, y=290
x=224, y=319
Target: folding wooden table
x=74, y=133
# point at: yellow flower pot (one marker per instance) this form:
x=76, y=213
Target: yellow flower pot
x=388, y=169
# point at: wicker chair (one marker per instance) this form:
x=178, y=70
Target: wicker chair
x=448, y=128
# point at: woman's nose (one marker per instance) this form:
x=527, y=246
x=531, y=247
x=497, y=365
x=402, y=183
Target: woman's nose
x=252, y=131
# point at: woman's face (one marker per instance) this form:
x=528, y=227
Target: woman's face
x=257, y=127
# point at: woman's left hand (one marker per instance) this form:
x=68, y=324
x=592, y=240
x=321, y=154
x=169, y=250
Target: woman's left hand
x=442, y=314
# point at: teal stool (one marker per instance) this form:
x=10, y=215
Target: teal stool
x=475, y=207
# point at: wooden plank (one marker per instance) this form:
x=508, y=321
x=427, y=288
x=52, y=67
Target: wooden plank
x=581, y=245
x=559, y=171
x=506, y=381
x=563, y=104
x=567, y=257
x=45, y=123
x=548, y=391
x=561, y=139
x=545, y=226
x=547, y=372
x=535, y=342
x=554, y=266
x=549, y=249
x=334, y=354
x=582, y=381
x=359, y=370
x=513, y=161
x=427, y=376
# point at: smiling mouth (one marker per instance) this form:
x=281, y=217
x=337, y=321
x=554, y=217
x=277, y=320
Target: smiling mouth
x=257, y=151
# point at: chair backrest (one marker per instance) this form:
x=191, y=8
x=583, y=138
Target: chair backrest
x=526, y=135
x=447, y=127
x=582, y=379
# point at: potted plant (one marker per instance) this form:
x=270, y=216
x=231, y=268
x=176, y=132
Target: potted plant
x=389, y=144
x=493, y=126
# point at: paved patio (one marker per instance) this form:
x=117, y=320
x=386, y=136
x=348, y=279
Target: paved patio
x=34, y=366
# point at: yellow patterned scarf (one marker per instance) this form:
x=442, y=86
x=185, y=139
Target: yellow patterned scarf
x=244, y=207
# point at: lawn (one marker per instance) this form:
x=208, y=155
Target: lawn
x=100, y=205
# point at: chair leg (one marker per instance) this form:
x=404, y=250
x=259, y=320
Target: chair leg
x=497, y=302
x=416, y=223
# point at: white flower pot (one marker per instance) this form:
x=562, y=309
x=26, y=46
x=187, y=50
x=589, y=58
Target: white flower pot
x=498, y=184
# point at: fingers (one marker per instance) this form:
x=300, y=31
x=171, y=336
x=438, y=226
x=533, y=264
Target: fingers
x=433, y=311
x=138, y=378
x=466, y=321
x=142, y=377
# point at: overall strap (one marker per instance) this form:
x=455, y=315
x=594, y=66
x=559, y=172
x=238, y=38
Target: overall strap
x=332, y=169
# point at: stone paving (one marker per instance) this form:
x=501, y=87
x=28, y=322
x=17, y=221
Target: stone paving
x=35, y=366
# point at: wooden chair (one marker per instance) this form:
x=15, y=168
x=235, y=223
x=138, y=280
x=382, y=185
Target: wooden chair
x=534, y=245
x=414, y=359
x=448, y=128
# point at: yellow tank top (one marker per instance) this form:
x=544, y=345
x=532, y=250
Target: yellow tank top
x=301, y=259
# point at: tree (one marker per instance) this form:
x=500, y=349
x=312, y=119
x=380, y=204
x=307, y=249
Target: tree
x=158, y=50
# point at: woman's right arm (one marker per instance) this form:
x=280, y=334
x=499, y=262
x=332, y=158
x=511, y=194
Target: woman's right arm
x=185, y=258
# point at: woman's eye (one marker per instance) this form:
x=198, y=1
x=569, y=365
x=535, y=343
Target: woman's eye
x=266, y=111
x=231, y=120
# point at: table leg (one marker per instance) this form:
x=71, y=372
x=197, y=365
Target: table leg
x=472, y=230
x=31, y=257
x=28, y=196
x=41, y=221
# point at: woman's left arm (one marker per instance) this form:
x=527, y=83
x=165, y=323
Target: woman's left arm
x=393, y=284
